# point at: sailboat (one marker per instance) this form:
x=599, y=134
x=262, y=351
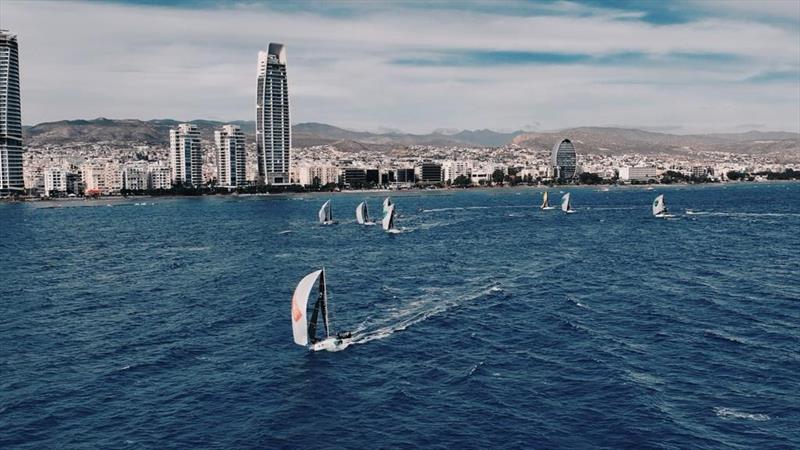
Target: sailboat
x=566, y=206
x=305, y=331
x=325, y=215
x=386, y=204
x=545, y=206
x=362, y=215
x=660, y=208
x=388, y=220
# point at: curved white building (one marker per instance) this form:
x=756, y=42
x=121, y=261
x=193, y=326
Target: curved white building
x=273, y=127
x=564, y=160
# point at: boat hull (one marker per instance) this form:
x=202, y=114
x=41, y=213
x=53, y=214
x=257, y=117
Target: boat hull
x=331, y=344
x=548, y=208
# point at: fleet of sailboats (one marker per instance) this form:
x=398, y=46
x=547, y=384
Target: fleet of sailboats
x=304, y=329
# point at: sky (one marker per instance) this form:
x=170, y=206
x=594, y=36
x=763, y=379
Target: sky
x=679, y=67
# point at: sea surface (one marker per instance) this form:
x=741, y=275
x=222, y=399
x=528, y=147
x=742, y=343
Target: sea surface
x=485, y=323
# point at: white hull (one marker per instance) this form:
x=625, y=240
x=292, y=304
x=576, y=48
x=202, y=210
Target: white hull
x=663, y=216
x=570, y=211
x=331, y=344
x=329, y=222
x=548, y=208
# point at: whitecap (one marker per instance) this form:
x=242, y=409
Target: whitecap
x=731, y=413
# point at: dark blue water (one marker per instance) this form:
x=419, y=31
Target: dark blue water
x=487, y=322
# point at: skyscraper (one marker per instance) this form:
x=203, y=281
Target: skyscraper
x=10, y=117
x=185, y=155
x=564, y=160
x=273, y=128
x=230, y=156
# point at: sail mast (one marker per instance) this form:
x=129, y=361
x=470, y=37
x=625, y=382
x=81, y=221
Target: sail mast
x=324, y=299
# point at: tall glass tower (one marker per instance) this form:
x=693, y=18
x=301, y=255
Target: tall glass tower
x=273, y=128
x=564, y=160
x=11, y=181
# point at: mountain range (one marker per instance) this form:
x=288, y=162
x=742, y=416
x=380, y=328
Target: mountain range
x=587, y=139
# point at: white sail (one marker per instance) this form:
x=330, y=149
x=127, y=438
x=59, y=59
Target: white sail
x=544, y=200
x=658, y=206
x=386, y=204
x=565, y=206
x=325, y=212
x=361, y=213
x=388, y=218
x=299, y=303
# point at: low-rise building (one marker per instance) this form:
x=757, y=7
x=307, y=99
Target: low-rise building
x=627, y=173
x=55, y=182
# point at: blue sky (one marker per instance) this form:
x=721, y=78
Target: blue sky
x=683, y=66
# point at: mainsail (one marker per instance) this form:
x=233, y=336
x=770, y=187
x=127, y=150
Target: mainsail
x=299, y=303
x=544, y=200
x=658, y=206
x=325, y=213
x=386, y=204
x=388, y=218
x=565, y=206
x=362, y=215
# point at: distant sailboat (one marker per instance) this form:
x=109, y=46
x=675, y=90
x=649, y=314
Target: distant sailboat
x=388, y=220
x=362, y=215
x=305, y=331
x=545, y=206
x=566, y=206
x=660, y=208
x=386, y=204
x=325, y=215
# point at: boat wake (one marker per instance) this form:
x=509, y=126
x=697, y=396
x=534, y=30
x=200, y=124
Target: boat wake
x=731, y=413
x=415, y=312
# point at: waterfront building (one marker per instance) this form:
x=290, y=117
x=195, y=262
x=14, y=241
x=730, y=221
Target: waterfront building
x=185, y=155
x=159, y=178
x=325, y=174
x=637, y=173
x=564, y=160
x=404, y=176
x=230, y=156
x=374, y=176
x=430, y=172
x=454, y=169
x=113, y=175
x=94, y=179
x=75, y=183
x=135, y=179
x=273, y=126
x=699, y=171
x=55, y=181
x=354, y=176
x=11, y=179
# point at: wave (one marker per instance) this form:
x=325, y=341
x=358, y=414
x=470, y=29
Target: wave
x=577, y=303
x=417, y=311
x=726, y=337
x=731, y=413
x=285, y=232
x=456, y=208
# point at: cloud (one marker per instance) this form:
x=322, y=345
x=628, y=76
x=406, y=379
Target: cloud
x=411, y=66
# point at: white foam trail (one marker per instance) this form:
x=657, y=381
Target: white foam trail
x=731, y=413
x=285, y=232
x=415, y=312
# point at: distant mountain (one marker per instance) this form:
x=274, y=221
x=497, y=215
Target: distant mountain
x=586, y=139
x=622, y=140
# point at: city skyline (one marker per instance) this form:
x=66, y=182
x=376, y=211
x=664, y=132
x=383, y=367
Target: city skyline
x=684, y=67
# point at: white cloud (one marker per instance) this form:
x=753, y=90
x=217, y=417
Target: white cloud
x=90, y=59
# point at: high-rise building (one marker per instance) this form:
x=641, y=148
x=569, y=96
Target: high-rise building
x=185, y=155
x=230, y=156
x=430, y=172
x=159, y=178
x=564, y=160
x=273, y=128
x=11, y=180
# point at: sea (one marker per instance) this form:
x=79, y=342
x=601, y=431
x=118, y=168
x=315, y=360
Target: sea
x=485, y=322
